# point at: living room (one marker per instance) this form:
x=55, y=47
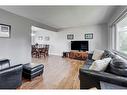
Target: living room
x=63, y=28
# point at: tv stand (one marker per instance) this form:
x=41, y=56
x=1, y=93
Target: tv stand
x=81, y=55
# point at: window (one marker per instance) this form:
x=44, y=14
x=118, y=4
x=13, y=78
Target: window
x=121, y=36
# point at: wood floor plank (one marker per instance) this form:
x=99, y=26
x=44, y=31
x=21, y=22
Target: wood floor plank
x=59, y=73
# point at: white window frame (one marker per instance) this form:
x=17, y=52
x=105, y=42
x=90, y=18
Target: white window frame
x=114, y=33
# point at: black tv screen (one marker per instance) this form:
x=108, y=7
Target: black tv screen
x=79, y=45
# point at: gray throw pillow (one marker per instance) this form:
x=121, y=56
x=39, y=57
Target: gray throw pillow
x=118, y=66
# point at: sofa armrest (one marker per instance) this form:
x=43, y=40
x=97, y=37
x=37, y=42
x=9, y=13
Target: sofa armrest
x=103, y=76
x=12, y=67
x=87, y=81
x=4, y=63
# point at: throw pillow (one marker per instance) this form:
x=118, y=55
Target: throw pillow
x=118, y=66
x=97, y=54
x=100, y=65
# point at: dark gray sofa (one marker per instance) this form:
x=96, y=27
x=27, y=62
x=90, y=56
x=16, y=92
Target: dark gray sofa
x=10, y=76
x=115, y=74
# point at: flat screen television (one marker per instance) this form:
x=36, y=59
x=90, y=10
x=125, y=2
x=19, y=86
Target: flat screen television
x=80, y=45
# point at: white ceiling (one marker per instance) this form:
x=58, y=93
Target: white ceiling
x=64, y=16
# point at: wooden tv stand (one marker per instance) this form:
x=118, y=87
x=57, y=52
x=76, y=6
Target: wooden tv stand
x=81, y=55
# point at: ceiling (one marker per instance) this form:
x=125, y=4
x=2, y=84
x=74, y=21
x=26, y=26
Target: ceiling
x=64, y=16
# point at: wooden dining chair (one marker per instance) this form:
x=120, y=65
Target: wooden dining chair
x=35, y=52
x=47, y=50
x=42, y=52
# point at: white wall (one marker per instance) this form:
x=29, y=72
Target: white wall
x=18, y=47
x=59, y=43
x=99, y=41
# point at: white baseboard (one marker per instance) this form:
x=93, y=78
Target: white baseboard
x=55, y=54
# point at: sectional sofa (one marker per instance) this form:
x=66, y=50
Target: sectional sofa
x=114, y=77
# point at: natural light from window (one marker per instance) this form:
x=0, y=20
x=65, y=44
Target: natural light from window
x=121, y=36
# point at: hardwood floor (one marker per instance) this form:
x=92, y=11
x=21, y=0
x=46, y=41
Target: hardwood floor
x=59, y=73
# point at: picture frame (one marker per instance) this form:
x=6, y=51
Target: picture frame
x=40, y=38
x=89, y=36
x=70, y=36
x=5, y=31
x=47, y=38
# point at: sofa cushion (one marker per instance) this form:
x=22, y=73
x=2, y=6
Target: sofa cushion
x=100, y=65
x=88, y=61
x=119, y=66
x=107, y=54
x=97, y=54
x=119, y=62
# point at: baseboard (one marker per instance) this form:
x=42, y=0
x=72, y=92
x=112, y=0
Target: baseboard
x=55, y=54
